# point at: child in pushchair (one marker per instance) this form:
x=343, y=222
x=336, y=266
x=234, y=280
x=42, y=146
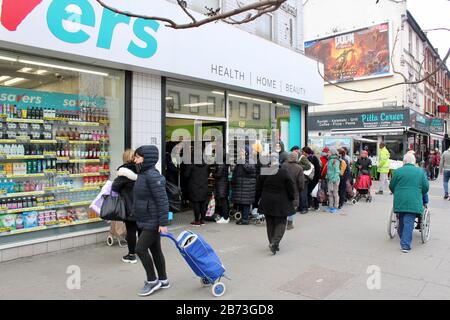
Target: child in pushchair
x=363, y=185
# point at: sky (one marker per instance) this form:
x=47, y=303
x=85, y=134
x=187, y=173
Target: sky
x=431, y=14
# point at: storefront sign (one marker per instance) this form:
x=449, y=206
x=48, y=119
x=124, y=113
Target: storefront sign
x=23, y=98
x=82, y=30
x=368, y=120
x=437, y=126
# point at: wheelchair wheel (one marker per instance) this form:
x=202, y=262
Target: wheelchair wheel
x=425, y=226
x=393, y=224
x=110, y=241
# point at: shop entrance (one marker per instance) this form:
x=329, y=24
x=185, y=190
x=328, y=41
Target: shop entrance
x=209, y=134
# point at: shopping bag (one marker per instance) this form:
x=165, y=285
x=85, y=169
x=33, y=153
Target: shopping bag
x=315, y=191
x=118, y=229
x=96, y=205
x=174, y=196
x=113, y=208
x=211, y=207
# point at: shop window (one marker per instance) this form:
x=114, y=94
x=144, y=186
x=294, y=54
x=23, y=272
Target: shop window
x=56, y=124
x=264, y=26
x=211, y=109
x=194, y=103
x=187, y=99
x=256, y=111
x=242, y=110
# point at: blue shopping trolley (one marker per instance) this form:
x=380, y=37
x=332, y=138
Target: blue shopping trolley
x=202, y=259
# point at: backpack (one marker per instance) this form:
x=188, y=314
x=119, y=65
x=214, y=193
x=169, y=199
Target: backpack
x=347, y=168
x=309, y=173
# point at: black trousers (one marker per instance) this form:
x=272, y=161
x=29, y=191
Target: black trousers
x=150, y=239
x=276, y=226
x=199, y=210
x=303, y=197
x=222, y=207
x=342, y=190
x=132, y=229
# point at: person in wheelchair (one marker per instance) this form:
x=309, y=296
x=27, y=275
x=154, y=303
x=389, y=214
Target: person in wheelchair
x=409, y=185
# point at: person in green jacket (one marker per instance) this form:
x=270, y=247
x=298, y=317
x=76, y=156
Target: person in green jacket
x=333, y=179
x=383, y=166
x=409, y=185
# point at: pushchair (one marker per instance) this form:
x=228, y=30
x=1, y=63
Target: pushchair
x=362, y=186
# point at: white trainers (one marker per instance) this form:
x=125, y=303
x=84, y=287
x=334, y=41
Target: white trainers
x=222, y=220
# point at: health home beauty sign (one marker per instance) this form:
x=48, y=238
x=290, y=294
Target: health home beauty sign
x=215, y=52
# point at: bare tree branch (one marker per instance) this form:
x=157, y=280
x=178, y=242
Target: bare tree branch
x=262, y=7
x=441, y=29
x=441, y=65
x=392, y=57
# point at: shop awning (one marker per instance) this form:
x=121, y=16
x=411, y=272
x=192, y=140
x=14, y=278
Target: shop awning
x=374, y=131
x=437, y=136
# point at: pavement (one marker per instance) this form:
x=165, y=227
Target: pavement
x=326, y=256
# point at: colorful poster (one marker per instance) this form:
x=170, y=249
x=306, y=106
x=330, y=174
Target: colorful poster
x=361, y=54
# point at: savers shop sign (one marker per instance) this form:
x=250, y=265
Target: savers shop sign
x=359, y=120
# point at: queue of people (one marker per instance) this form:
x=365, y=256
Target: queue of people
x=297, y=181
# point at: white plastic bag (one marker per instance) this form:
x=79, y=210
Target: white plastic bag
x=315, y=191
x=96, y=205
x=211, y=207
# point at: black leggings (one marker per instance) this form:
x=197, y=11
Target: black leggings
x=132, y=228
x=342, y=190
x=222, y=204
x=150, y=239
x=199, y=210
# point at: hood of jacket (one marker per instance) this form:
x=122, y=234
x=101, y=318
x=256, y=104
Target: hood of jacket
x=281, y=143
x=127, y=170
x=151, y=156
x=292, y=157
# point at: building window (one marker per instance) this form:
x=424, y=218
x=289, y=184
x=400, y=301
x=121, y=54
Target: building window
x=417, y=48
x=410, y=41
x=194, y=103
x=211, y=108
x=291, y=32
x=242, y=110
x=256, y=111
x=264, y=26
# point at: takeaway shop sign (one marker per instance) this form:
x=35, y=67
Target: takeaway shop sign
x=368, y=120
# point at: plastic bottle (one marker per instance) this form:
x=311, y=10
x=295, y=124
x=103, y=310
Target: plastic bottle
x=21, y=150
x=7, y=149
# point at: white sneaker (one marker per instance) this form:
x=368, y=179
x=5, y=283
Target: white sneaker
x=222, y=220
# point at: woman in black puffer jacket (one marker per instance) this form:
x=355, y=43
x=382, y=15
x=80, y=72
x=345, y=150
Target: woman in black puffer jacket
x=124, y=185
x=244, y=184
x=197, y=181
x=221, y=191
x=151, y=208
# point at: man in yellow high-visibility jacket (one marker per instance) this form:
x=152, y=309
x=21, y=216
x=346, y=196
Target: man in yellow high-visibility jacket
x=383, y=166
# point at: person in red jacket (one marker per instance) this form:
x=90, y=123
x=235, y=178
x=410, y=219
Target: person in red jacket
x=324, y=160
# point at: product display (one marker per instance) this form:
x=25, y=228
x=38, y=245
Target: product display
x=53, y=162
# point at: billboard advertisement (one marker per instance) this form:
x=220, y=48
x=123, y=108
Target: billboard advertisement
x=356, y=55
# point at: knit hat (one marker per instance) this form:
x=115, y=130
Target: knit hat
x=325, y=150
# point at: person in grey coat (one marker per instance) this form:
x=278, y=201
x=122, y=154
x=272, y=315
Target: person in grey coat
x=296, y=173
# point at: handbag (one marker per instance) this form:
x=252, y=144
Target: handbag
x=211, y=207
x=113, y=208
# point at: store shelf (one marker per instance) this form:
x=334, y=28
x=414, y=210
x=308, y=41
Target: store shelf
x=24, y=157
x=104, y=157
x=40, y=121
x=56, y=225
x=6, y=141
x=12, y=211
x=30, y=175
x=62, y=158
x=84, y=160
x=85, y=189
x=92, y=174
x=61, y=188
x=86, y=124
x=21, y=194
x=55, y=119
x=84, y=142
x=79, y=204
x=43, y=141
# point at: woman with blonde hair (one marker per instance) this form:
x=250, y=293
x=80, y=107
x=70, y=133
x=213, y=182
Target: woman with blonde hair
x=124, y=185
